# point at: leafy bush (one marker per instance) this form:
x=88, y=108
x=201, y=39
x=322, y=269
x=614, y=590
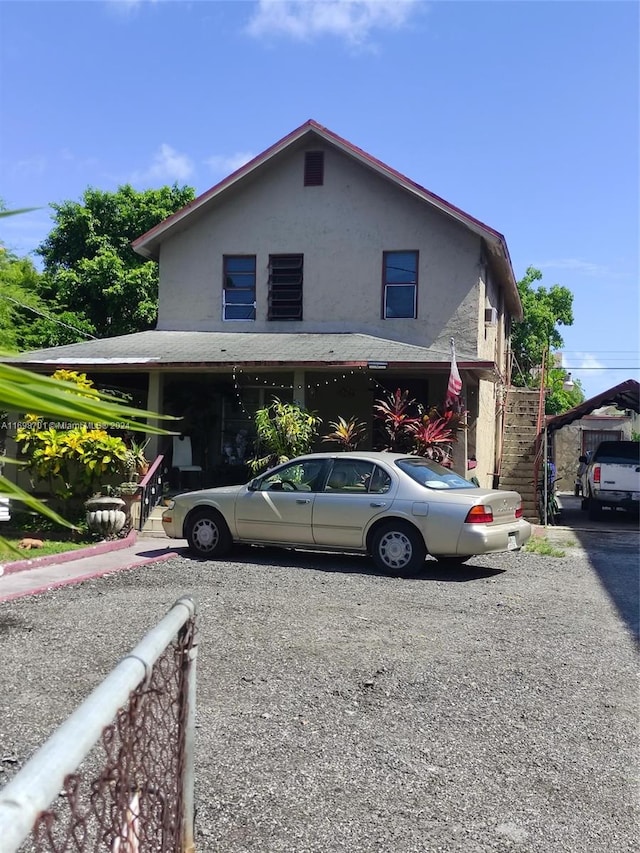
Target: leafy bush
x=284, y=430
x=74, y=460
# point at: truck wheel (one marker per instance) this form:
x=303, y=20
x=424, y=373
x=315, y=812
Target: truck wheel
x=595, y=510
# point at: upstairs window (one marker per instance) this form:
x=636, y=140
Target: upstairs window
x=239, y=291
x=285, y=287
x=313, y=168
x=400, y=280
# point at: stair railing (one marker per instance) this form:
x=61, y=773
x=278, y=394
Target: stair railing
x=541, y=449
x=151, y=490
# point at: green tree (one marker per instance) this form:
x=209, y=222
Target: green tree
x=557, y=398
x=90, y=269
x=18, y=288
x=535, y=339
x=22, y=391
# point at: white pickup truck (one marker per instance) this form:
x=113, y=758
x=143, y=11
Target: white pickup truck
x=612, y=478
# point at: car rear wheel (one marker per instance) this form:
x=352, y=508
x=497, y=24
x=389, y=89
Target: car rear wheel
x=398, y=549
x=208, y=534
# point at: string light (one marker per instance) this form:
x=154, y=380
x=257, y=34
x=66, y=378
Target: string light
x=256, y=381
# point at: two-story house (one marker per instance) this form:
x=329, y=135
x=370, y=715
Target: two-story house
x=315, y=273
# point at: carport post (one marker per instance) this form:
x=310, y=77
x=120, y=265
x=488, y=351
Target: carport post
x=545, y=478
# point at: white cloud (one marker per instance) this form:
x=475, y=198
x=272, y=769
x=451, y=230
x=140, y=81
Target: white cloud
x=576, y=265
x=584, y=361
x=220, y=164
x=352, y=20
x=168, y=165
x=127, y=7
x=29, y=167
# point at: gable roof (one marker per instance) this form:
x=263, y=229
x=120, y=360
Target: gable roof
x=148, y=245
x=623, y=396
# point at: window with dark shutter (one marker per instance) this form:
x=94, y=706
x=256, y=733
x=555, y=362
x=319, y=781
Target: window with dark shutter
x=285, y=287
x=313, y=168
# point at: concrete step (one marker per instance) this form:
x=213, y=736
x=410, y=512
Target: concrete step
x=153, y=525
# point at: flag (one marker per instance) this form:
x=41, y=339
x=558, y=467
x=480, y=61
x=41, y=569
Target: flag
x=452, y=400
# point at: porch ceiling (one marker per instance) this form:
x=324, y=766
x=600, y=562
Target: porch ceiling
x=165, y=350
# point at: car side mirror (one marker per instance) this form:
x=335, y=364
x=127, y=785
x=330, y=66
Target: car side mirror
x=583, y=459
x=253, y=485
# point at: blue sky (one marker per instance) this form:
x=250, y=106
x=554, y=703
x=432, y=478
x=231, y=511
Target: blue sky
x=524, y=114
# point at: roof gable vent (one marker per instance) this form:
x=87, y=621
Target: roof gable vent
x=313, y=168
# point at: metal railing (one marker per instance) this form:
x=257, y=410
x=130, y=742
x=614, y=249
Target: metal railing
x=151, y=490
x=117, y=776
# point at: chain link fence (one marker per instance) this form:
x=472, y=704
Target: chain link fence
x=117, y=776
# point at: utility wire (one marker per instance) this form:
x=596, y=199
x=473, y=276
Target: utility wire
x=47, y=316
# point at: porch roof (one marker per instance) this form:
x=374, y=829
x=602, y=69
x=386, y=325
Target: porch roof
x=180, y=350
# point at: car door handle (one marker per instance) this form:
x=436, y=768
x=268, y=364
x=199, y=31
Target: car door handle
x=303, y=501
x=378, y=504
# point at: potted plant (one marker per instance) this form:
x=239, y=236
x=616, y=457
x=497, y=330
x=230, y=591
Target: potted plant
x=136, y=464
x=130, y=493
x=106, y=513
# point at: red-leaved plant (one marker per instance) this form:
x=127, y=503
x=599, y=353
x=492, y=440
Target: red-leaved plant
x=433, y=435
x=410, y=429
x=394, y=409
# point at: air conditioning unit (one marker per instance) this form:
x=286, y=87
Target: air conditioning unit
x=491, y=316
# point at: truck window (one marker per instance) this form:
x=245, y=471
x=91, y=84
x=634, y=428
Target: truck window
x=618, y=452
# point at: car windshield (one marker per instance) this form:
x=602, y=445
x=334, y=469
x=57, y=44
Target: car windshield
x=433, y=476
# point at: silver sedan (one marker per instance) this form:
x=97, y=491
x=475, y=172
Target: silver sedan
x=395, y=507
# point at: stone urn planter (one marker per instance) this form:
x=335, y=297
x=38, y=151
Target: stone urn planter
x=106, y=515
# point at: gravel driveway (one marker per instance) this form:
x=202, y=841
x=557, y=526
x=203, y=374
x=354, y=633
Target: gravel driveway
x=492, y=708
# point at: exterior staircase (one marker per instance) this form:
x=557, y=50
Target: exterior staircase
x=519, y=447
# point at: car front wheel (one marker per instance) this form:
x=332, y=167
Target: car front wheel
x=398, y=549
x=208, y=535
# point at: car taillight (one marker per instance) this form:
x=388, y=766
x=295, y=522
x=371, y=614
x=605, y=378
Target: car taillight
x=519, y=511
x=596, y=474
x=479, y=515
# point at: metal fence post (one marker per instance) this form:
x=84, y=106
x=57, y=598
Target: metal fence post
x=188, y=777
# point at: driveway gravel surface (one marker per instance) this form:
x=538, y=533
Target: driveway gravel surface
x=490, y=708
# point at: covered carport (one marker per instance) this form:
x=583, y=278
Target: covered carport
x=623, y=396
x=626, y=398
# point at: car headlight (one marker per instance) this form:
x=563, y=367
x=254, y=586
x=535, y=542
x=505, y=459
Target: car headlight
x=171, y=504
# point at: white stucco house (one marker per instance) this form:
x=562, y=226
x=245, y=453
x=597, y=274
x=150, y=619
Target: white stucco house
x=320, y=274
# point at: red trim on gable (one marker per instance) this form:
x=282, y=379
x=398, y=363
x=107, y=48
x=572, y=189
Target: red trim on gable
x=307, y=126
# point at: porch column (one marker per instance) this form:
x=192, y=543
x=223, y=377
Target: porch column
x=154, y=404
x=299, y=387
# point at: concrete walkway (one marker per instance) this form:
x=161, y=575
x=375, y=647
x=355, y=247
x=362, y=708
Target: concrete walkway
x=32, y=576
